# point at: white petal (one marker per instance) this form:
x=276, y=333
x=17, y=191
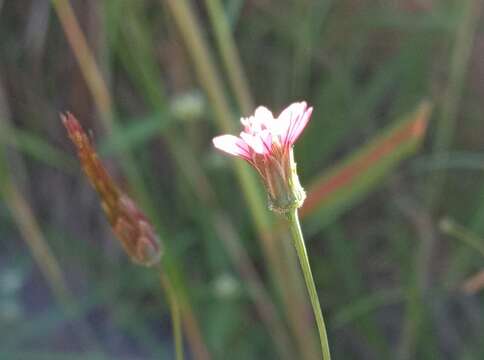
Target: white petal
x=232, y=145
x=263, y=117
x=262, y=113
x=254, y=142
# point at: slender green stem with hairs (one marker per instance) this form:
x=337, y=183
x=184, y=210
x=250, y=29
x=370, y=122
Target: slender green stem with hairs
x=302, y=254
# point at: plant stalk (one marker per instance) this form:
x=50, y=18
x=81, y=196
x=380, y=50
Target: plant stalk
x=302, y=254
x=175, y=315
x=193, y=35
x=230, y=55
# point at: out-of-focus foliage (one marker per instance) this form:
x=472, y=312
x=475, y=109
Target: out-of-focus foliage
x=390, y=281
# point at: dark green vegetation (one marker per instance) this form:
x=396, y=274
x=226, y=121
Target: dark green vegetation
x=390, y=280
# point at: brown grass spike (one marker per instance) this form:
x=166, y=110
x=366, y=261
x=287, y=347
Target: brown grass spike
x=128, y=222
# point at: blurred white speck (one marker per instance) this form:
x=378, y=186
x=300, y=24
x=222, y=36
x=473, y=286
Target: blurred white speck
x=189, y=106
x=226, y=286
x=10, y=281
x=9, y=310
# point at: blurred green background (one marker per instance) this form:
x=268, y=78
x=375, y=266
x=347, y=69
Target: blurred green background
x=394, y=221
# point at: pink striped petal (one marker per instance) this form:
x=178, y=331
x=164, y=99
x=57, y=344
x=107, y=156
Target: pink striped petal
x=293, y=110
x=266, y=137
x=232, y=145
x=288, y=118
x=299, y=126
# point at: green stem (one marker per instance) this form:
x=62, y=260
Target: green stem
x=175, y=315
x=177, y=330
x=230, y=55
x=302, y=254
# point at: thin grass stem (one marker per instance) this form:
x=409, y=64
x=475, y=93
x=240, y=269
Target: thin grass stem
x=31, y=232
x=175, y=314
x=195, y=179
x=459, y=59
x=49, y=266
x=102, y=98
x=230, y=55
x=450, y=227
x=192, y=33
x=210, y=81
x=86, y=60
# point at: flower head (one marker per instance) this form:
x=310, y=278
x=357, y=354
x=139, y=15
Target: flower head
x=266, y=143
x=128, y=222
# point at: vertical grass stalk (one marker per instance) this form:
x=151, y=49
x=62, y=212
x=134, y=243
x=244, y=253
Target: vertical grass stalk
x=444, y=132
x=192, y=34
x=175, y=314
x=230, y=55
x=298, y=239
x=87, y=63
x=458, y=67
x=104, y=103
x=24, y=218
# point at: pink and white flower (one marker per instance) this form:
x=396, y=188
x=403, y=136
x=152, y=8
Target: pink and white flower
x=266, y=143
